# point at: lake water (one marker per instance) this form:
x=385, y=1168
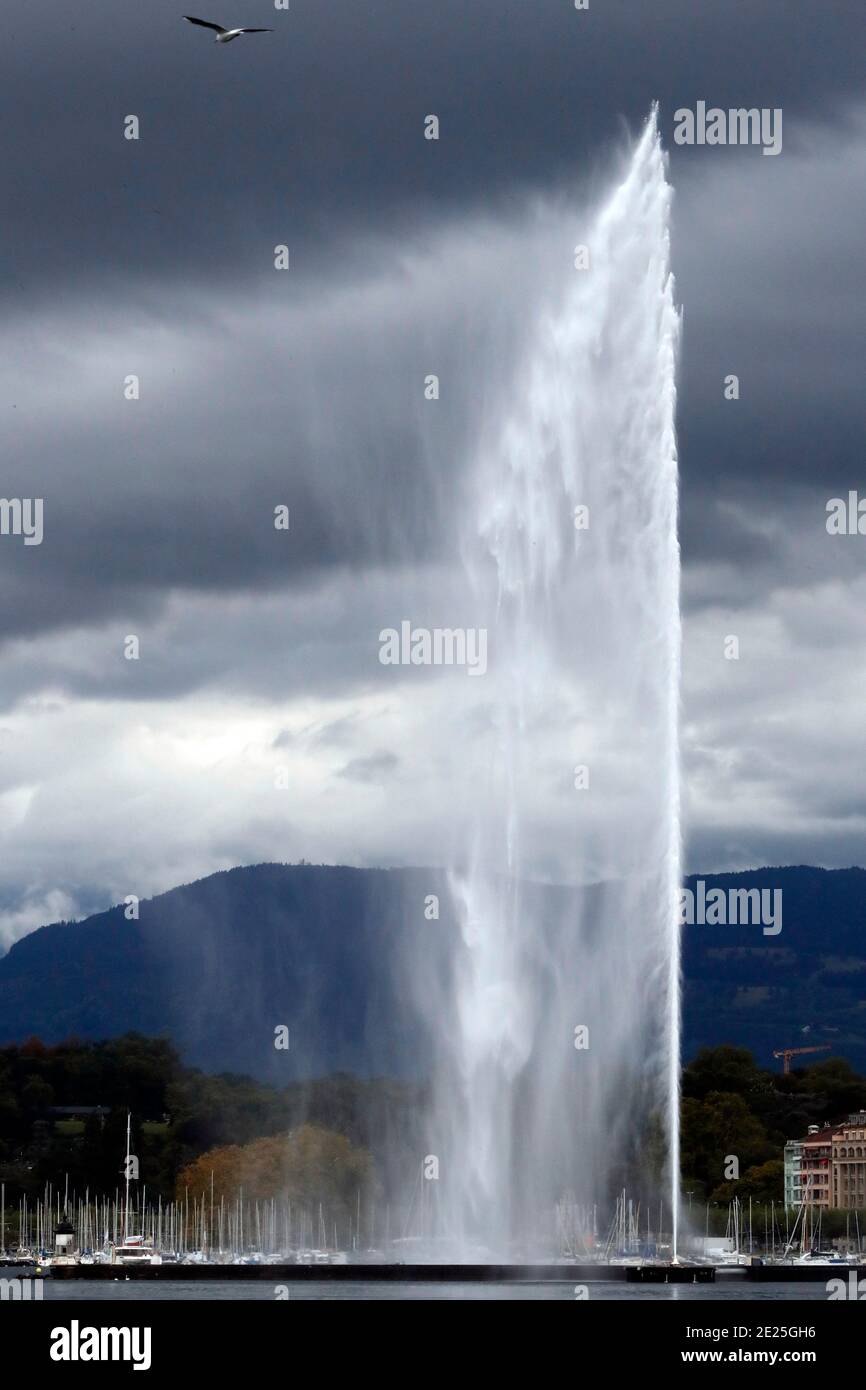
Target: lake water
x=140, y=1291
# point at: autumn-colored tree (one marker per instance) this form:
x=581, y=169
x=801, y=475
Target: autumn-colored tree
x=308, y=1166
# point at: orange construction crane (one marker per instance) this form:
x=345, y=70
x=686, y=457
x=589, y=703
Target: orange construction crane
x=788, y=1052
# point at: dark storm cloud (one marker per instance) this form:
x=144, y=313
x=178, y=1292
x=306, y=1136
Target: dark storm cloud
x=314, y=136
x=773, y=282
x=156, y=257
x=248, y=402
x=311, y=399
x=313, y=133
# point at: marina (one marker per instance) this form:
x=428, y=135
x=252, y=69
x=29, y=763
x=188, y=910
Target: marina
x=209, y=1241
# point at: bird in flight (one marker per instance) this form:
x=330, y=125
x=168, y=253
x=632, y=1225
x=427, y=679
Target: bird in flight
x=224, y=35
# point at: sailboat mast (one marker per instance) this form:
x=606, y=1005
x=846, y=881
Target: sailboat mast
x=128, y=1156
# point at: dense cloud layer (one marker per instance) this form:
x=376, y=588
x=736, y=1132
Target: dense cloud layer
x=261, y=388
x=314, y=130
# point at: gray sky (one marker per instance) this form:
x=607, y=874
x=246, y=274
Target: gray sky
x=155, y=257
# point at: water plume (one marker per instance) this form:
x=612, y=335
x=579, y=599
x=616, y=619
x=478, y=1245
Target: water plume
x=556, y=1073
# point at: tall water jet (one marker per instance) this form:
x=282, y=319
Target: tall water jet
x=557, y=1074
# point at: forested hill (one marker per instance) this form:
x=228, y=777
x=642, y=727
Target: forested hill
x=339, y=956
x=803, y=987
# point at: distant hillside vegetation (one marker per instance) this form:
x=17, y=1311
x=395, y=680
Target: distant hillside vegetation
x=336, y=955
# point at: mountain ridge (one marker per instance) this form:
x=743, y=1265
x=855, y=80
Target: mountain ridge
x=327, y=950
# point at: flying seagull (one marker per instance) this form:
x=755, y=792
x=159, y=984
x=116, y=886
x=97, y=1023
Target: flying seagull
x=224, y=35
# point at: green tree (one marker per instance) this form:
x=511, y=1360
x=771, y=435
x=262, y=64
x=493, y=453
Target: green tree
x=763, y=1183
x=723, y=1068
x=715, y=1129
